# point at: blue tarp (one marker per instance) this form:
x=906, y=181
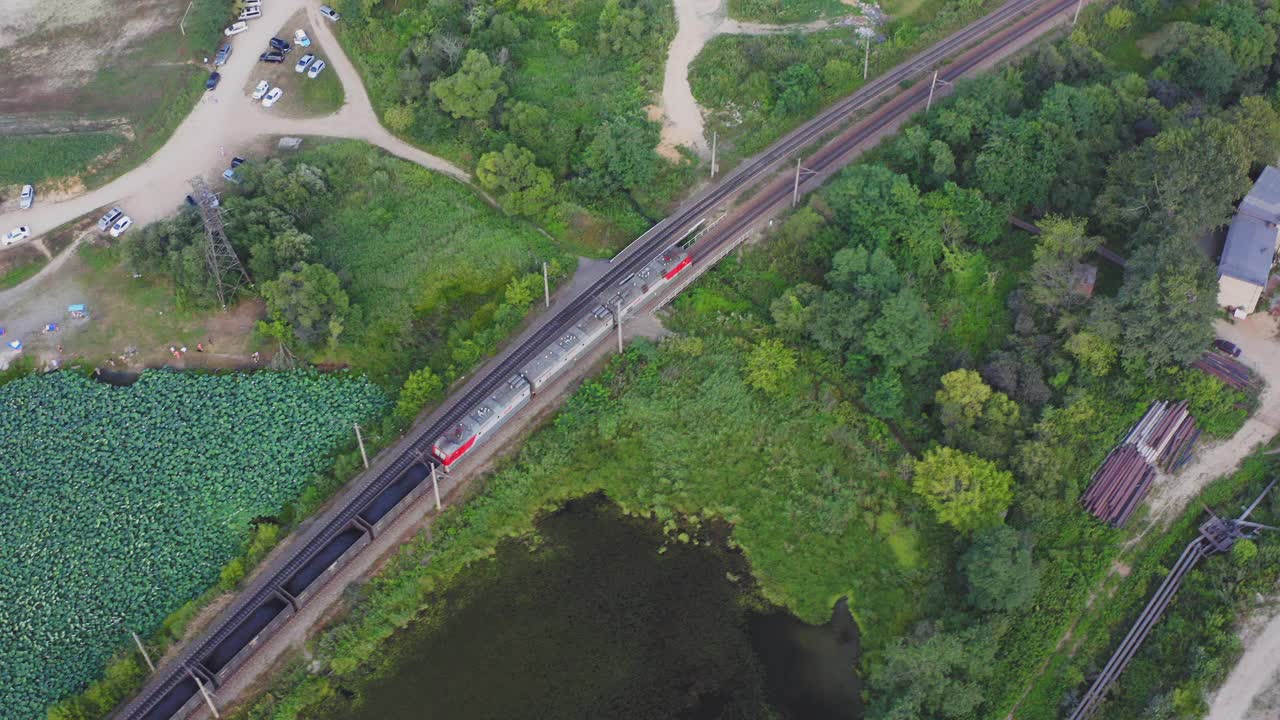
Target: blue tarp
x=51, y=327
x=75, y=308
x=15, y=344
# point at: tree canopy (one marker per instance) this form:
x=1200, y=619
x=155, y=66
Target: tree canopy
x=963, y=490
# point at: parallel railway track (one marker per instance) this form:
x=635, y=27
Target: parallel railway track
x=415, y=448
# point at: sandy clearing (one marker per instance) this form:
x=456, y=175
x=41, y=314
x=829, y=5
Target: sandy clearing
x=224, y=122
x=697, y=22
x=1257, y=338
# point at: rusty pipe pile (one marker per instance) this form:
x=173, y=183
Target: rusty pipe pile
x=1162, y=439
x=1228, y=370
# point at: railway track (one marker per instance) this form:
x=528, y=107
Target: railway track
x=414, y=450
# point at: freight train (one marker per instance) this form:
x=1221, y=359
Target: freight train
x=506, y=401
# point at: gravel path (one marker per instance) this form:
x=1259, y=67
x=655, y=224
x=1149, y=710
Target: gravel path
x=224, y=122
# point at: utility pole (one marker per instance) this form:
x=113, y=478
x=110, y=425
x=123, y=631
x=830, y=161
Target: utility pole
x=866, y=58
x=1074, y=18
x=546, y=285
x=714, y=137
x=142, y=649
x=435, y=485
x=360, y=440
x=933, y=84
x=795, y=189
x=207, y=698
x=228, y=274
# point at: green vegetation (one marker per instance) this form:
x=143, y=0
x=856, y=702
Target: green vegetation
x=419, y=271
x=546, y=99
x=896, y=323
x=323, y=94
x=36, y=158
x=787, y=11
x=135, y=497
x=756, y=88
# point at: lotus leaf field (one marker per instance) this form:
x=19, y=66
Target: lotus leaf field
x=119, y=504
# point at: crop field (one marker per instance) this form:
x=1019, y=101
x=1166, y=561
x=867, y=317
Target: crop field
x=119, y=504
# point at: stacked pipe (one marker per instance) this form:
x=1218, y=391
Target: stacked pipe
x=1162, y=439
x=1228, y=370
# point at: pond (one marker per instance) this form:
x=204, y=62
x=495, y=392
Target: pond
x=602, y=616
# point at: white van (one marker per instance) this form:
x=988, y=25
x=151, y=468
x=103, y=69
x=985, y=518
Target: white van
x=251, y=13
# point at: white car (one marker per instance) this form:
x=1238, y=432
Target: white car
x=236, y=28
x=251, y=13
x=303, y=62
x=300, y=38
x=19, y=233
x=28, y=197
x=330, y=13
x=121, y=225
x=316, y=69
x=272, y=97
x=261, y=89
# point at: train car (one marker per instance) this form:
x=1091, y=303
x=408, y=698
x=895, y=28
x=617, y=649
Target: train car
x=563, y=352
x=483, y=418
x=635, y=287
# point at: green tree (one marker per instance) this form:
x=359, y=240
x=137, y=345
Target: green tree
x=964, y=491
x=1167, y=305
x=904, y=333
x=310, y=301
x=998, y=570
x=770, y=365
x=1062, y=245
x=623, y=30
x=1095, y=353
x=522, y=187
x=1018, y=163
x=273, y=254
x=471, y=92
x=976, y=418
x=421, y=387
x=620, y=156
x=231, y=574
x=398, y=118
x=1244, y=551
x=940, y=677
x=885, y=396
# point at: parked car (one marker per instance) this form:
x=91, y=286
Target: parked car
x=303, y=62
x=330, y=13
x=271, y=57
x=316, y=69
x=110, y=217
x=237, y=162
x=1227, y=347
x=191, y=201
x=212, y=82
x=251, y=3
x=27, y=198
x=261, y=89
x=251, y=13
x=282, y=46
x=224, y=53
x=21, y=232
x=230, y=176
x=121, y=225
x=236, y=28
x=300, y=38
x=272, y=97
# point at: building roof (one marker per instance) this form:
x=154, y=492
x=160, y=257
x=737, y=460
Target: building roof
x=1251, y=240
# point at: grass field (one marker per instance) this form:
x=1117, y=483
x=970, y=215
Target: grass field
x=420, y=254
x=37, y=158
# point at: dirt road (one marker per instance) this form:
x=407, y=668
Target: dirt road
x=225, y=121
x=698, y=21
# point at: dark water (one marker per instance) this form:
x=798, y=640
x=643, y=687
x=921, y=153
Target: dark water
x=594, y=622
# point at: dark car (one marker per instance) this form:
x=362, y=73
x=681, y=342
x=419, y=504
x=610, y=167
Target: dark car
x=281, y=45
x=237, y=162
x=212, y=82
x=1227, y=347
x=272, y=57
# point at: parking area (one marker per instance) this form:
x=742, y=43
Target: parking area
x=307, y=93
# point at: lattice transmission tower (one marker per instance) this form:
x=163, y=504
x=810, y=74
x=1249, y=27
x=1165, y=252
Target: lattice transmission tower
x=228, y=273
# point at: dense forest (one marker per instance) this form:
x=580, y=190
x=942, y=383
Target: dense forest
x=896, y=334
